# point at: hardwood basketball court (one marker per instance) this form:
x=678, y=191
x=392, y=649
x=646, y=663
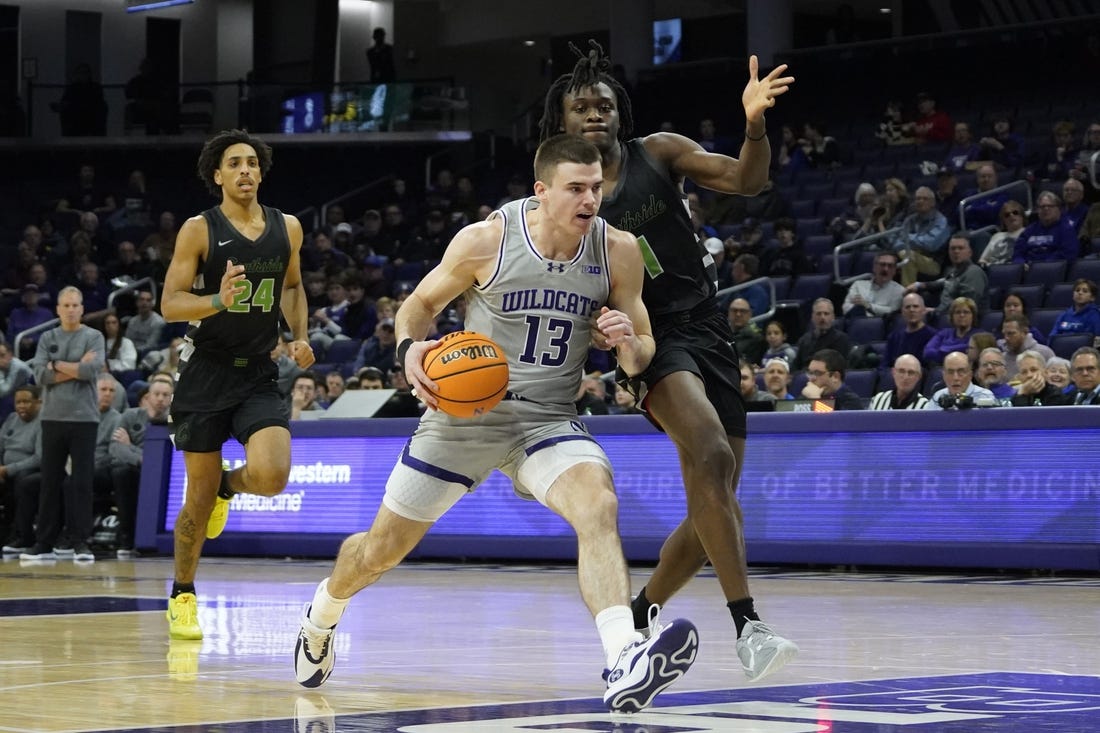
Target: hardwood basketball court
x=445, y=648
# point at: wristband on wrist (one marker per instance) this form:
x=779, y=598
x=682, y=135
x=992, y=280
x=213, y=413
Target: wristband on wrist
x=216, y=302
x=750, y=138
x=402, y=350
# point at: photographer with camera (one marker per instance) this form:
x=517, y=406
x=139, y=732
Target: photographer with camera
x=960, y=393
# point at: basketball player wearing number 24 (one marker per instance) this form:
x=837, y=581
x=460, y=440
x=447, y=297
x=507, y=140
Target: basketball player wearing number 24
x=235, y=270
x=538, y=276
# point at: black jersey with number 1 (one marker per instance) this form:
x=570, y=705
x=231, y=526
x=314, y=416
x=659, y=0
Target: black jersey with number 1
x=680, y=274
x=250, y=325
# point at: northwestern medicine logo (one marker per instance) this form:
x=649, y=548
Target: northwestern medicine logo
x=318, y=472
x=632, y=220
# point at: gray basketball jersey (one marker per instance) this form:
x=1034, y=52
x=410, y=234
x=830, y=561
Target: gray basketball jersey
x=540, y=311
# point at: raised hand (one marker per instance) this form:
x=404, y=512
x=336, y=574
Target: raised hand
x=760, y=94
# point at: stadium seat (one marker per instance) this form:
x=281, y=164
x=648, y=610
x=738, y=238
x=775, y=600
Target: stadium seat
x=782, y=287
x=1088, y=269
x=1032, y=295
x=1060, y=295
x=343, y=350
x=807, y=288
x=1005, y=275
x=886, y=381
x=817, y=191
x=1045, y=273
x=862, y=381
x=1043, y=319
x=825, y=264
x=991, y=321
x=1064, y=344
x=807, y=227
x=818, y=245
x=802, y=208
x=864, y=262
x=829, y=209
x=933, y=380
x=866, y=330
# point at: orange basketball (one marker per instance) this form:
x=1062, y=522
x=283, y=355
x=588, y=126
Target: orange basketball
x=470, y=373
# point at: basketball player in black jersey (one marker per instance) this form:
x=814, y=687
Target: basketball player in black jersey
x=234, y=271
x=693, y=381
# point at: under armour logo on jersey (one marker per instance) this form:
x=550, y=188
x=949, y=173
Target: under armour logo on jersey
x=551, y=265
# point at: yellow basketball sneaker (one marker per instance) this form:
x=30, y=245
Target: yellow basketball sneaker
x=183, y=617
x=220, y=514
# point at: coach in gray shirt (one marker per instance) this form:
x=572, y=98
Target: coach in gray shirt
x=67, y=362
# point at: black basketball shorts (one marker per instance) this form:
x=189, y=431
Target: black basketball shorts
x=215, y=401
x=703, y=346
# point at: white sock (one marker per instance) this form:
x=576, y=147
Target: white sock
x=326, y=610
x=616, y=627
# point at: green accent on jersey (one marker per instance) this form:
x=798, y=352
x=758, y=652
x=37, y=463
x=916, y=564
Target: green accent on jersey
x=263, y=297
x=649, y=258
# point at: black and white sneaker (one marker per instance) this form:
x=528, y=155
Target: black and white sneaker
x=314, y=656
x=38, y=553
x=647, y=667
x=83, y=553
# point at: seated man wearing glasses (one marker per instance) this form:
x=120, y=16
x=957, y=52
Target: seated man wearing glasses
x=1048, y=239
x=960, y=393
x=826, y=373
x=1085, y=370
x=879, y=296
x=906, y=394
x=993, y=373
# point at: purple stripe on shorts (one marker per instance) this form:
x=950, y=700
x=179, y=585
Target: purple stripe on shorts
x=554, y=441
x=434, y=471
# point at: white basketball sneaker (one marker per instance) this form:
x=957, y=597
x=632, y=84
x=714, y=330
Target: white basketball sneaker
x=647, y=667
x=314, y=656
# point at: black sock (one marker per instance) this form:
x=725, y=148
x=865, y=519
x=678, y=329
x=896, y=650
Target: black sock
x=742, y=612
x=223, y=490
x=178, y=587
x=640, y=606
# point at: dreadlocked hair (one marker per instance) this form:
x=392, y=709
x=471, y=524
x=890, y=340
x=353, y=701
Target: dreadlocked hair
x=590, y=70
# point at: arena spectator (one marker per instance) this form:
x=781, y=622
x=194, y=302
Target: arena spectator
x=1049, y=238
x=905, y=395
x=1081, y=317
x=826, y=381
x=822, y=334
x=963, y=314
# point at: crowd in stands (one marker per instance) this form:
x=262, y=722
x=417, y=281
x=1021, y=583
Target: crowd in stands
x=910, y=266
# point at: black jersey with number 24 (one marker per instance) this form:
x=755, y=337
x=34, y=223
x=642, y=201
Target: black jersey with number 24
x=250, y=325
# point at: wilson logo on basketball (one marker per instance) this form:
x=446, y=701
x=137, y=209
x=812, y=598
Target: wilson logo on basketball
x=481, y=351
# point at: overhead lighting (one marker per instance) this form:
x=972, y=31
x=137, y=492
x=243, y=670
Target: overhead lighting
x=528, y=43
x=885, y=11
x=133, y=6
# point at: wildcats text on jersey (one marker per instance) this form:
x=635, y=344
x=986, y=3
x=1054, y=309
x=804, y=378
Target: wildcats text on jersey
x=549, y=299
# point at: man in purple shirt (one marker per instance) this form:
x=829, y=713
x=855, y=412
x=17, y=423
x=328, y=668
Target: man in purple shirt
x=1049, y=238
x=28, y=315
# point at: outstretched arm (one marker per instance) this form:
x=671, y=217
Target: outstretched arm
x=745, y=175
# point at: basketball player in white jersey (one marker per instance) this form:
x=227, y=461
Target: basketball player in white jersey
x=538, y=276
